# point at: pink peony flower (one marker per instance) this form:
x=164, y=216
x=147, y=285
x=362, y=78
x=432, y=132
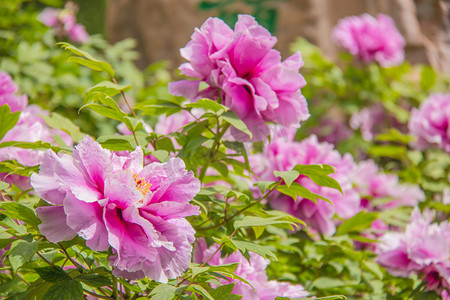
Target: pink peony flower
x=64, y=23
x=423, y=248
x=112, y=201
x=372, y=184
x=371, y=39
x=8, y=90
x=29, y=128
x=243, y=71
x=282, y=154
x=253, y=271
x=431, y=122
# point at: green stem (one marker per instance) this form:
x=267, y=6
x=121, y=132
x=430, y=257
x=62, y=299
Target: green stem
x=241, y=210
x=213, y=150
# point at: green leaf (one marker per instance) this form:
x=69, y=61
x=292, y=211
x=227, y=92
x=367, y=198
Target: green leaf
x=106, y=111
x=264, y=185
x=107, y=88
x=198, y=270
x=3, y=185
x=21, y=252
x=208, y=104
x=244, y=246
x=164, y=143
x=221, y=168
x=7, y=119
x=358, y=222
x=234, y=120
x=319, y=174
x=223, y=292
x=200, y=290
x=94, y=280
x=37, y=289
x=87, y=60
x=20, y=212
x=163, y=292
x=62, y=123
x=158, y=107
x=297, y=190
x=251, y=221
x=53, y=274
x=287, y=176
x=70, y=290
x=391, y=151
x=117, y=145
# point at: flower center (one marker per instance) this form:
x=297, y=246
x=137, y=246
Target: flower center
x=142, y=185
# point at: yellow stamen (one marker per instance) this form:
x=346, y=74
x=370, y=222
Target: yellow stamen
x=141, y=184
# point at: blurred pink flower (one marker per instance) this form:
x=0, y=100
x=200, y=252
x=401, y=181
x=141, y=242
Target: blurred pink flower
x=29, y=128
x=112, y=201
x=423, y=248
x=431, y=122
x=64, y=23
x=371, y=39
x=8, y=90
x=372, y=184
x=282, y=154
x=253, y=271
x=243, y=71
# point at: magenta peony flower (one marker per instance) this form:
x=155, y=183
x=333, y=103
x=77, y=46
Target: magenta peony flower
x=431, y=122
x=243, y=71
x=372, y=184
x=253, y=271
x=8, y=90
x=282, y=154
x=112, y=201
x=423, y=248
x=371, y=39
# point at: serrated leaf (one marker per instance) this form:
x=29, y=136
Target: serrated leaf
x=53, y=274
x=70, y=290
x=21, y=252
x=163, y=292
x=37, y=290
x=208, y=104
x=87, y=60
x=94, y=280
x=7, y=119
x=234, y=120
x=358, y=222
x=20, y=212
x=288, y=176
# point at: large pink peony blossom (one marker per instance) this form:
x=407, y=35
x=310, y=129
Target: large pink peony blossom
x=431, y=122
x=112, y=201
x=253, y=271
x=373, y=185
x=423, y=248
x=282, y=154
x=371, y=39
x=243, y=71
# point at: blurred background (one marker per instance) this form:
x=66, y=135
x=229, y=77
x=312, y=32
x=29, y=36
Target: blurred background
x=161, y=27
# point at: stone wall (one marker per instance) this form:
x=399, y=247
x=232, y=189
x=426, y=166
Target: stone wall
x=161, y=27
